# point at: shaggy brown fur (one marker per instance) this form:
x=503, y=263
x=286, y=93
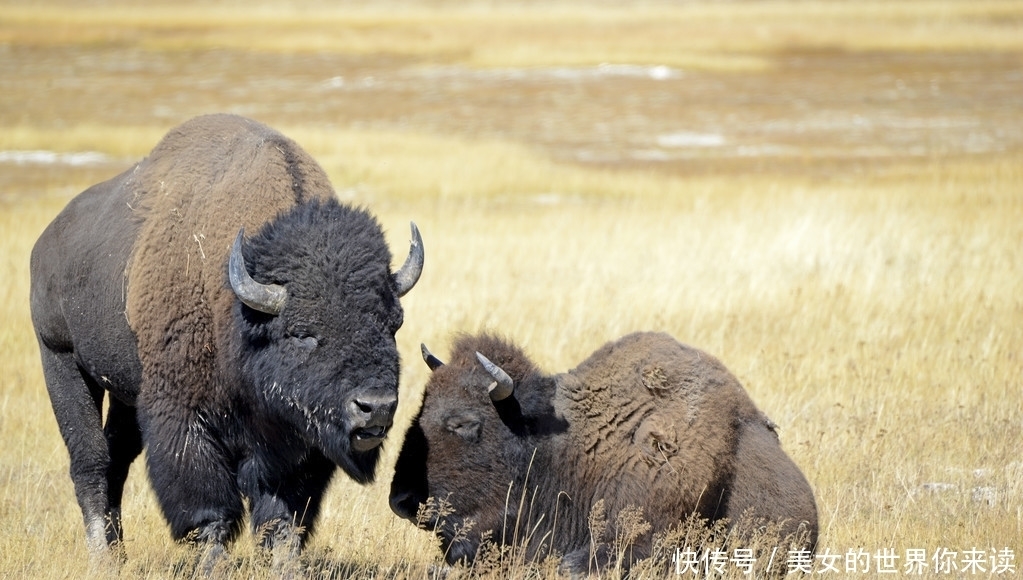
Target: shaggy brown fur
x=645, y=421
x=179, y=308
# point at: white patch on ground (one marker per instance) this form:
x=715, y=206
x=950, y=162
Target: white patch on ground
x=657, y=72
x=690, y=139
x=980, y=490
x=53, y=158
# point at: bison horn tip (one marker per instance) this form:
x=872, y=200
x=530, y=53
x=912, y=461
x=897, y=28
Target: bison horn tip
x=503, y=386
x=406, y=277
x=431, y=361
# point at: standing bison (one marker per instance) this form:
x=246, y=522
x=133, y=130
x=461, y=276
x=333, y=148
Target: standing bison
x=644, y=422
x=248, y=367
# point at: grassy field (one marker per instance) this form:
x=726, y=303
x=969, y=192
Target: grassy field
x=863, y=280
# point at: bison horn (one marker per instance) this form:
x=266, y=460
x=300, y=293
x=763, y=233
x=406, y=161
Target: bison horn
x=503, y=386
x=268, y=298
x=431, y=361
x=408, y=275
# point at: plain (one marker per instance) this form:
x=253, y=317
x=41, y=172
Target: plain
x=864, y=280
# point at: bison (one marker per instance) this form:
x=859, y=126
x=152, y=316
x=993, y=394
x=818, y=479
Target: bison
x=644, y=422
x=248, y=366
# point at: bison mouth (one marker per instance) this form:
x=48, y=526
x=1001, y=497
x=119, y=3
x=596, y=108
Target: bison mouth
x=349, y=435
x=368, y=438
x=370, y=414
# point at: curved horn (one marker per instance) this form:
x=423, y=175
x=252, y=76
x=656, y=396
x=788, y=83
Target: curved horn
x=503, y=386
x=268, y=298
x=431, y=361
x=409, y=273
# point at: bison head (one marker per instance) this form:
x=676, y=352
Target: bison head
x=470, y=450
x=315, y=318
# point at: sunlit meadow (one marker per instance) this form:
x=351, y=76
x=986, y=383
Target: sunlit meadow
x=864, y=280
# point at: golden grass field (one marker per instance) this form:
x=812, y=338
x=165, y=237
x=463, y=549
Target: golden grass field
x=826, y=195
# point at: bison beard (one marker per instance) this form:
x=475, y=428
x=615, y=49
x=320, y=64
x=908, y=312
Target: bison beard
x=644, y=422
x=250, y=381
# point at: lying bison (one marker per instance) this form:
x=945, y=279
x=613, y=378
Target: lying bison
x=644, y=422
x=247, y=367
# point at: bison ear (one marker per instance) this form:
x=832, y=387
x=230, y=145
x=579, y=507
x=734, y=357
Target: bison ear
x=503, y=386
x=465, y=425
x=431, y=361
x=267, y=298
x=408, y=275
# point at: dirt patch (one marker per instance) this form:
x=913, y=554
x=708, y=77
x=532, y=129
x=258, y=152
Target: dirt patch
x=821, y=112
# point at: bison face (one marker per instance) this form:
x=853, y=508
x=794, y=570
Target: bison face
x=468, y=454
x=317, y=345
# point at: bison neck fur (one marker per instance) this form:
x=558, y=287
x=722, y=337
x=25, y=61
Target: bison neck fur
x=645, y=422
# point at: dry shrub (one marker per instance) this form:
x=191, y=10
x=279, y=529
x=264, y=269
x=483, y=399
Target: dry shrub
x=699, y=548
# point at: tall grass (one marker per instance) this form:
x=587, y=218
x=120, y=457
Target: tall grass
x=877, y=318
x=878, y=323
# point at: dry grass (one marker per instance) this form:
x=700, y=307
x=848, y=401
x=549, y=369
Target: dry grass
x=876, y=317
x=730, y=35
x=878, y=323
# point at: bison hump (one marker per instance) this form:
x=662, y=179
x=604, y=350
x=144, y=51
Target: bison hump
x=206, y=179
x=675, y=408
x=654, y=365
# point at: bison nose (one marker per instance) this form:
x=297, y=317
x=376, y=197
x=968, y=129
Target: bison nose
x=405, y=505
x=371, y=416
x=373, y=409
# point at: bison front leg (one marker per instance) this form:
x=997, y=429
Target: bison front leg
x=77, y=406
x=285, y=505
x=193, y=479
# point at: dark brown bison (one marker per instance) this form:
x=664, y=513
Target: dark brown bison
x=247, y=367
x=644, y=422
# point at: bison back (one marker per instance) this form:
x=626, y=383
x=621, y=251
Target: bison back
x=659, y=422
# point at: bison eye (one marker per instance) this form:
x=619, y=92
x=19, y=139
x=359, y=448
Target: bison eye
x=298, y=348
x=465, y=426
x=305, y=343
